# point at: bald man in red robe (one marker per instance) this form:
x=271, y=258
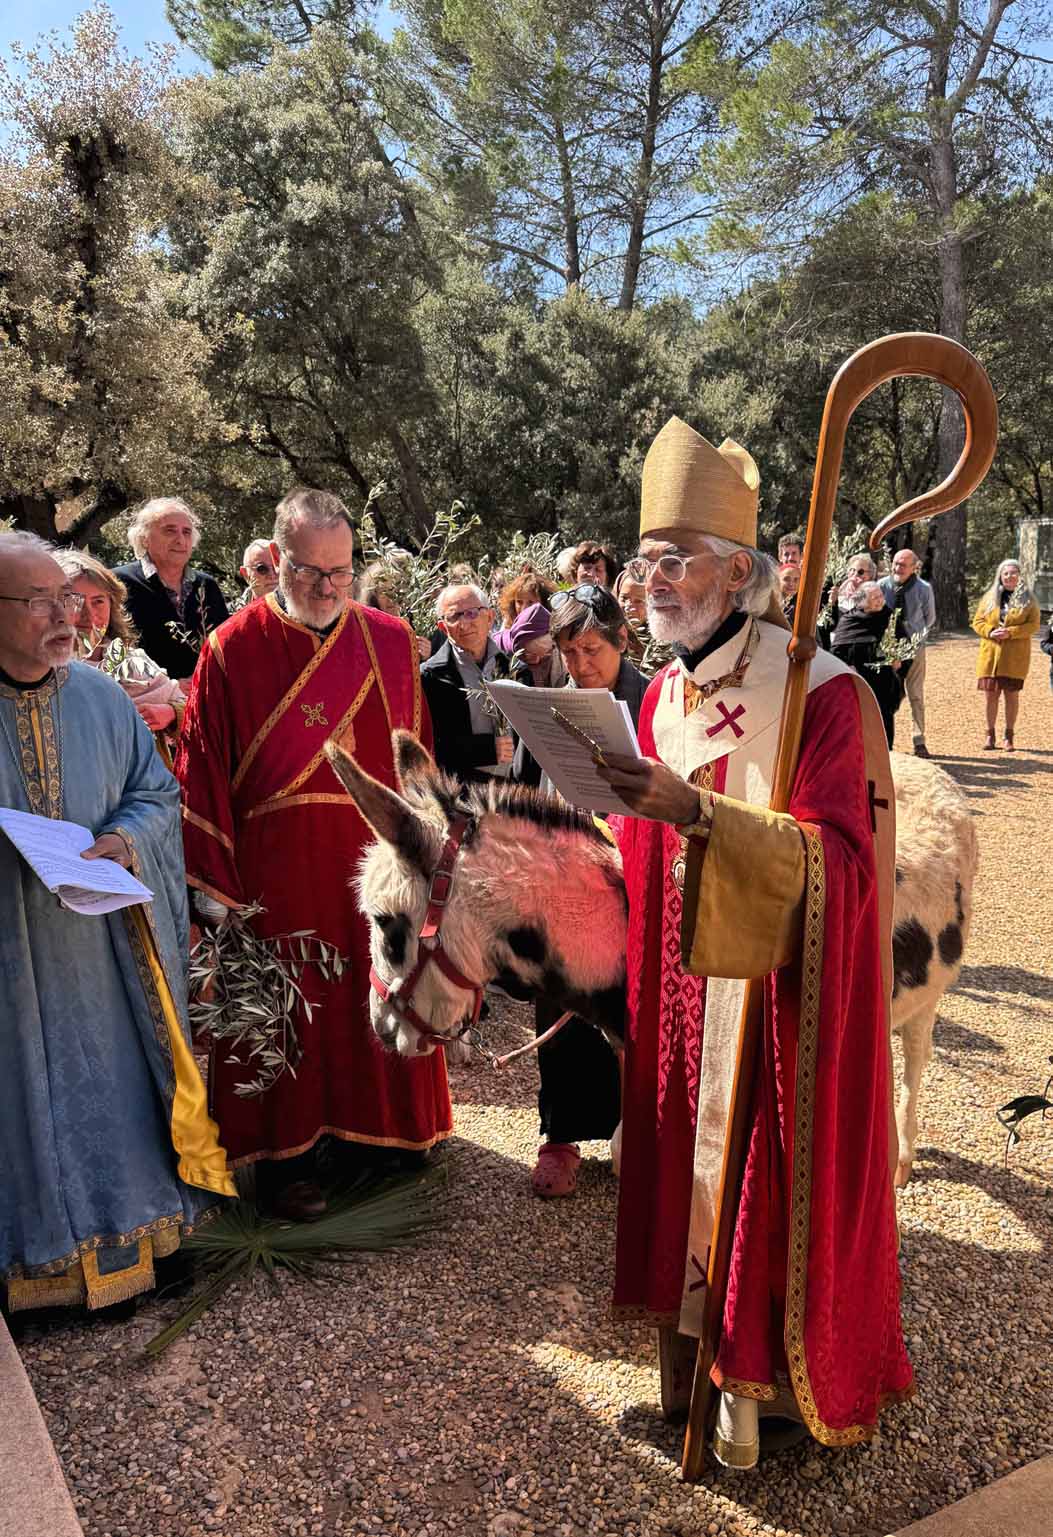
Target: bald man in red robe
x=722, y=890
x=266, y=820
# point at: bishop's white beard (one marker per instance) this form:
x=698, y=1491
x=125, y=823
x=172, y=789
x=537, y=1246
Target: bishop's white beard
x=685, y=624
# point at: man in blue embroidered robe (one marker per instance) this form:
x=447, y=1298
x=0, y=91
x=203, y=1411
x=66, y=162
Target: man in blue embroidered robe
x=107, y=1150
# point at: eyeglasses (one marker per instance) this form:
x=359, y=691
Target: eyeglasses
x=340, y=576
x=672, y=567
x=591, y=593
x=464, y=616
x=265, y=570
x=69, y=602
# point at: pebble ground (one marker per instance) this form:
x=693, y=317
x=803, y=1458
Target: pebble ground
x=478, y=1386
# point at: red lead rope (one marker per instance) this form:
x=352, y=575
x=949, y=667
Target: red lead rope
x=429, y=948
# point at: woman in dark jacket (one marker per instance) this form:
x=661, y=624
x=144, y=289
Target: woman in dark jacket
x=856, y=639
x=580, y=1096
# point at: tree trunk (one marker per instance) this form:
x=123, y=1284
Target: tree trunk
x=35, y=514
x=950, y=531
x=410, y=493
x=571, y=228
x=641, y=198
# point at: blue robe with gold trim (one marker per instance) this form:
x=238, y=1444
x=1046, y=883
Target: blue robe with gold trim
x=104, y=1131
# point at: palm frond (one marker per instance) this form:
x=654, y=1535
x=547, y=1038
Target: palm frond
x=366, y=1215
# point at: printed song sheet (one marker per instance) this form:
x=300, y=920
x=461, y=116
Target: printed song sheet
x=567, y=762
x=52, y=849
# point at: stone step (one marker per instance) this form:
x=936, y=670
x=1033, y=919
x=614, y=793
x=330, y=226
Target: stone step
x=1019, y=1505
x=34, y=1500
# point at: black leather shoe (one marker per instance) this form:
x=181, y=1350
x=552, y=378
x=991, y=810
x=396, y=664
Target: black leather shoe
x=299, y=1201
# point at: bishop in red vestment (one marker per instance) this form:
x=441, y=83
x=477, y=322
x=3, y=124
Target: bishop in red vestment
x=722, y=890
x=266, y=820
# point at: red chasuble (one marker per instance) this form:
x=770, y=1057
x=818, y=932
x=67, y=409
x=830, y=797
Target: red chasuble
x=266, y=820
x=813, y=1300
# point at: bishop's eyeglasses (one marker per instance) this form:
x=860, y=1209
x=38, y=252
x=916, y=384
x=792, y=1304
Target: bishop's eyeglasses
x=672, y=567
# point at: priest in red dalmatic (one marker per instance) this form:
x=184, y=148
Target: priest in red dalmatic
x=266, y=820
x=720, y=890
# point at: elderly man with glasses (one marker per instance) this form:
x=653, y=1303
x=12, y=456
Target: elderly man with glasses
x=259, y=570
x=266, y=821
x=108, y=1153
x=722, y=890
x=469, y=742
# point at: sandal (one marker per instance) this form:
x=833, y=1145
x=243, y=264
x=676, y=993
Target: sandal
x=1008, y=743
x=556, y=1170
x=989, y=744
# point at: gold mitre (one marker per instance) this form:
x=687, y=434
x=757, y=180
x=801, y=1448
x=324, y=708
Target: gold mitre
x=687, y=483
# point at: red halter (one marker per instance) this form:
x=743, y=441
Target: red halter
x=429, y=948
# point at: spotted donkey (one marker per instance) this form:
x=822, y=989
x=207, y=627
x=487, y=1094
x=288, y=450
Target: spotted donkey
x=538, y=906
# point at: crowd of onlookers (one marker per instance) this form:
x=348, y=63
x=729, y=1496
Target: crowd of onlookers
x=515, y=626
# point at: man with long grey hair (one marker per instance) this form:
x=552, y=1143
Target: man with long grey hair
x=172, y=606
x=280, y=678
x=721, y=890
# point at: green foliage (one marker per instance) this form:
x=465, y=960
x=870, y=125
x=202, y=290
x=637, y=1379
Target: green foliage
x=246, y=992
x=416, y=580
x=102, y=382
x=479, y=263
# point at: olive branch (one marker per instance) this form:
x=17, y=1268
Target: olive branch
x=245, y=992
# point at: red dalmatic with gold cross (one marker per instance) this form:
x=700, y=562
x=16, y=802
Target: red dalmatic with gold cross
x=266, y=820
x=813, y=1300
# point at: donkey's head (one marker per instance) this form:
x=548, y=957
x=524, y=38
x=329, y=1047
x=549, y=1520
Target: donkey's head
x=536, y=904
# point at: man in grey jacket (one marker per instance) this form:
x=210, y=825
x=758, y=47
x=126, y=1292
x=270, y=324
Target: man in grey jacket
x=912, y=600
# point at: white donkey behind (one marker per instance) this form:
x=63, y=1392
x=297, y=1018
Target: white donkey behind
x=538, y=905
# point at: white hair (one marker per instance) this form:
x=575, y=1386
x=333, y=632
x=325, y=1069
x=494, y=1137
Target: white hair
x=865, y=591
x=755, y=594
x=1021, y=597
x=565, y=563
x=256, y=544
x=484, y=601
x=14, y=540
x=864, y=555
x=152, y=512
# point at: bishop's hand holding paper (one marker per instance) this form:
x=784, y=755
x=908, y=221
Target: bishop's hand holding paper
x=650, y=789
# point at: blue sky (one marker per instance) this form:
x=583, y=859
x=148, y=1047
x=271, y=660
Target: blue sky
x=141, y=21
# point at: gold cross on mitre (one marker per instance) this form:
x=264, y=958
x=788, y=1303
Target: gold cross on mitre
x=314, y=714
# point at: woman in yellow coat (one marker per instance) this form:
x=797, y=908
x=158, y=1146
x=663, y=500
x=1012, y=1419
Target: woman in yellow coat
x=1005, y=620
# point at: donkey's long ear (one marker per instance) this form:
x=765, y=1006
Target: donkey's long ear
x=413, y=762
x=386, y=812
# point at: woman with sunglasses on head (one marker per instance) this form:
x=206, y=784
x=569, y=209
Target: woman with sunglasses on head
x=580, y=1094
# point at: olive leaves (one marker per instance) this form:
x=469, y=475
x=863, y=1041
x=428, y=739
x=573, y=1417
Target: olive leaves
x=246, y=993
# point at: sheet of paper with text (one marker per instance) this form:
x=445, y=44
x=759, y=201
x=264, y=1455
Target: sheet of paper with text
x=567, y=762
x=52, y=849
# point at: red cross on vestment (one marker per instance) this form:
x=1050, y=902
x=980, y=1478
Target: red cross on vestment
x=730, y=719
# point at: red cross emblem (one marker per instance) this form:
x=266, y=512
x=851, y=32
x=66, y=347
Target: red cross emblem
x=730, y=719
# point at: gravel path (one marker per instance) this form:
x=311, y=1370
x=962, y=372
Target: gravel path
x=478, y=1386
